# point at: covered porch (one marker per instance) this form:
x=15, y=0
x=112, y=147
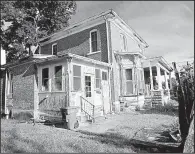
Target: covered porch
x=157, y=75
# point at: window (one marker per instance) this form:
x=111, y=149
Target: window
x=124, y=42
x=129, y=81
x=54, y=49
x=45, y=79
x=88, y=86
x=94, y=43
x=141, y=81
x=104, y=75
x=97, y=78
x=76, y=77
x=58, y=78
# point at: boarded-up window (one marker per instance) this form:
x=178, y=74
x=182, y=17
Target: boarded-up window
x=123, y=42
x=87, y=86
x=76, y=77
x=94, y=41
x=45, y=79
x=58, y=78
x=54, y=49
x=97, y=78
x=129, y=82
x=104, y=75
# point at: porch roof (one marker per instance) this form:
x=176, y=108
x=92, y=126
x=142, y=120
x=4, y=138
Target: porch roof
x=70, y=55
x=161, y=61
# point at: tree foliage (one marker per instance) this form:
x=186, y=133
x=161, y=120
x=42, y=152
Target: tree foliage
x=30, y=21
x=185, y=93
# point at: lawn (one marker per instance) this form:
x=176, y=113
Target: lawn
x=112, y=135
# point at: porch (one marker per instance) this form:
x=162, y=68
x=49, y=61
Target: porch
x=157, y=75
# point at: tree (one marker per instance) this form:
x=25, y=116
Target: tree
x=32, y=20
x=185, y=93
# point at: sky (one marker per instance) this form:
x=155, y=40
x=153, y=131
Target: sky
x=167, y=26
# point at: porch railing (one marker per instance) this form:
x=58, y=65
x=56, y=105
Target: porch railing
x=87, y=107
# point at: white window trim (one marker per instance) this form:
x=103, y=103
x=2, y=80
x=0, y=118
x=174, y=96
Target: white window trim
x=72, y=88
x=100, y=78
x=90, y=45
x=52, y=47
x=49, y=80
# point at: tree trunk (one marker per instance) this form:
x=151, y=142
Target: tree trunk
x=189, y=144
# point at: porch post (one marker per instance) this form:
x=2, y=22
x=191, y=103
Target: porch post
x=151, y=78
x=166, y=81
x=159, y=79
x=171, y=87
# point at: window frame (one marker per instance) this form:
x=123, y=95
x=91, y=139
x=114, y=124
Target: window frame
x=73, y=76
x=87, y=87
x=43, y=79
x=90, y=41
x=99, y=79
x=129, y=81
x=53, y=48
x=104, y=76
x=54, y=78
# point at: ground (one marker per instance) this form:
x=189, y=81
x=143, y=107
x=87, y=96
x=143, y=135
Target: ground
x=111, y=135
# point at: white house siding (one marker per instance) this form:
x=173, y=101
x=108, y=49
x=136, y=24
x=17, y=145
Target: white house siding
x=132, y=46
x=54, y=100
x=88, y=69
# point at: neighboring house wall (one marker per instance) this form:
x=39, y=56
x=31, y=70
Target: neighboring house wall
x=79, y=43
x=23, y=88
x=2, y=90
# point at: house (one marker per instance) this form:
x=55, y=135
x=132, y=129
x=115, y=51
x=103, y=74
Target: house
x=94, y=65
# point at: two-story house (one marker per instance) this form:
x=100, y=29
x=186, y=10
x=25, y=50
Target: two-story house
x=93, y=65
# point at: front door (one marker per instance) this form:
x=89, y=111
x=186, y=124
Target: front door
x=89, y=84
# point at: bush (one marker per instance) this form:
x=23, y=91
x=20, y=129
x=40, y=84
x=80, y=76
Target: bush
x=137, y=108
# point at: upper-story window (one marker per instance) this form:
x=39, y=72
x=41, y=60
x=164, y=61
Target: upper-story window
x=94, y=40
x=54, y=49
x=123, y=42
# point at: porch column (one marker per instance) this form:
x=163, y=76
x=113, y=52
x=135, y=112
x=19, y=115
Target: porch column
x=159, y=79
x=166, y=80
x=170, y=82
x=151, y=78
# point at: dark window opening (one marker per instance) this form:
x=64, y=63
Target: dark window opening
x=45, y=79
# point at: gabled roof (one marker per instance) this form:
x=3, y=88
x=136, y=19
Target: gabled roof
x=108, y=14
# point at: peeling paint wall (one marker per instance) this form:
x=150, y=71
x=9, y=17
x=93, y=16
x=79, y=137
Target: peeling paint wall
x=87, y=69
x=51, y=101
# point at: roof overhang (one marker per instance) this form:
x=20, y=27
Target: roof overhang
x=69, y=55
x=125, y=54
x=161, y=61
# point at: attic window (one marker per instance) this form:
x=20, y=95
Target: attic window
x=54, y=49
x=123, y=42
